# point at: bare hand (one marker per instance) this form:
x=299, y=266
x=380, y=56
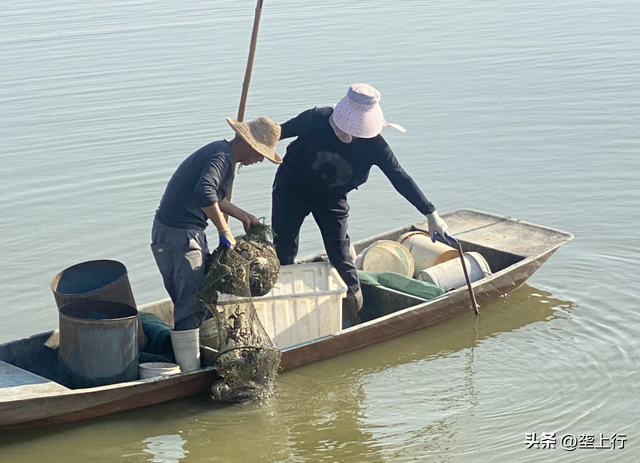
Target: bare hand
x=248, y=220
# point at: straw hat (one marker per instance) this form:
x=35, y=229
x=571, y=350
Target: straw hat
x=359, y=113
x=261, y=133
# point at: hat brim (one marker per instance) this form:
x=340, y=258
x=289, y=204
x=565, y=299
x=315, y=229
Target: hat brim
x=242, y=129
x=358, y=120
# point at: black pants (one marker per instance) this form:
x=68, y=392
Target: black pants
x=289, y=209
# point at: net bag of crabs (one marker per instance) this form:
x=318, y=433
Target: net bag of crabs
x=251, y=268
x=264, y=267
x=247, y=359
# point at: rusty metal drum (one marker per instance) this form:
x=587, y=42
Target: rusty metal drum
x=98, y=343
x=95, y=280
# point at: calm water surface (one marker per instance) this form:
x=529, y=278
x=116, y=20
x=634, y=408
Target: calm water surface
x=527, y=109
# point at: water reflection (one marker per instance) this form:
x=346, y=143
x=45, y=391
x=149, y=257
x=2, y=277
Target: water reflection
x=166, y=449
x=393, y=401
x=430, y=398
x=520, y=309
x=443, y=387
x=388, y=402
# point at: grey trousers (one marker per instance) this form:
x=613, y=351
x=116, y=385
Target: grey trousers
x=181, y=255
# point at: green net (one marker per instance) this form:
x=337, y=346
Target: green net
x=399, y=282
x=247, y=359
x=157, y=346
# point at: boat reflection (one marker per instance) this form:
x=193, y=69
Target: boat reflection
x=356, y=406
x=420, y=384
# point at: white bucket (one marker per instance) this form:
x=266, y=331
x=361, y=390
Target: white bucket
x=386, y=256
x=153, y=369
x=449, y=275
x=186, y=348
x=425, y=252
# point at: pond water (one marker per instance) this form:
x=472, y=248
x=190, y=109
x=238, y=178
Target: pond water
x=528, y=109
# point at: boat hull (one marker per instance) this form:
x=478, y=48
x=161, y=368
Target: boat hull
x=413, y=318
x=513, y=248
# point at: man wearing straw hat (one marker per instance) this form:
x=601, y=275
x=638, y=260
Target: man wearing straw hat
x=333, y=153
x=195, y=194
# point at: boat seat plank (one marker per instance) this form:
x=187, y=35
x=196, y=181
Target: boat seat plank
x=16, y=383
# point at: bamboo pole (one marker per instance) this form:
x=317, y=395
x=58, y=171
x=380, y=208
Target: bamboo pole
x=252, y=53
x=247, y=75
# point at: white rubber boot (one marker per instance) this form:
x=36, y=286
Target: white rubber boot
x=186, y=348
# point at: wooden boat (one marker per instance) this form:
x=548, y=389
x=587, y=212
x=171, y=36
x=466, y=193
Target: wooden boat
x=514, y=250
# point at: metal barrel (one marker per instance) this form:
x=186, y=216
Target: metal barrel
x=98, y=343
x=95, y=280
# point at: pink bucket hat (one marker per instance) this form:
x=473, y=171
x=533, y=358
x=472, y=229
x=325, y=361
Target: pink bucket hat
x=359, y=114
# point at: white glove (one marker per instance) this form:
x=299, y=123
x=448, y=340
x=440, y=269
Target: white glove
x=437, y=225
x=226, y=238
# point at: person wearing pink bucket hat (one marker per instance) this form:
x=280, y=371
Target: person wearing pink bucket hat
x=359, y=114
x=334, y=150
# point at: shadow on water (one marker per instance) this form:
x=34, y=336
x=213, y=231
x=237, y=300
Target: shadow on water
x=318, y=412
x=519, y=309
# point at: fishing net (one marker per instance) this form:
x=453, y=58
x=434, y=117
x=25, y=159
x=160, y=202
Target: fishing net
x=251, y=268
x=256, y=247
x=247, y=359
